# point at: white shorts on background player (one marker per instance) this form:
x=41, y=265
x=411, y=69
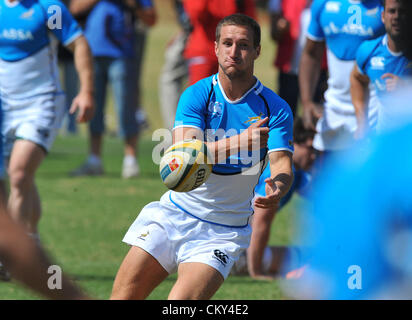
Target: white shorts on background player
x=35, y=119
x=172, y=237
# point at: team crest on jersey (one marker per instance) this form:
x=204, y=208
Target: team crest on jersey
x=378, y=63
x=143, y=236
x=372, y=12
x=28, y=14
x=254, y=119
x=215, y=108
x=333, y=6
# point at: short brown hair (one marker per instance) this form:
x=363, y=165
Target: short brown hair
x=239, y=19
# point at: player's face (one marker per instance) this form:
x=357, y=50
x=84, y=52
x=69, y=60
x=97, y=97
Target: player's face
x=235, y=51
x=304, y=155
x=393, y=18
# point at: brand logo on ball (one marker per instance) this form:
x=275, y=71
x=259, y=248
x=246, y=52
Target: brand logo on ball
x=173, y=165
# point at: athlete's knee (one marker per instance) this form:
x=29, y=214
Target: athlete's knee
x=20, y=179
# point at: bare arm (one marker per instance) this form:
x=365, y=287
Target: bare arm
x=28, y=263
x=278, y=26
x=84, y=101
x=309, y=71
x=359, y=90
x=281, y=177
x=147, y=15
x=261, y=225
x=254, y=138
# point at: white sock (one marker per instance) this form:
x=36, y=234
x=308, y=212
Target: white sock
x=94, y=160
x=129, y=160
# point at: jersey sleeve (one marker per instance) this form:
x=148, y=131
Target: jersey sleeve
x=362, y=56
x=191, y=109
x=60, y=21
x=315, y=30
x=280, y=127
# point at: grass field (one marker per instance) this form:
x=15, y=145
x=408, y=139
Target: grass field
x=84, y=219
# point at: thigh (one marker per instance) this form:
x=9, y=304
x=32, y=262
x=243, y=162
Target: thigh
x=196, y=281
x=138, y=275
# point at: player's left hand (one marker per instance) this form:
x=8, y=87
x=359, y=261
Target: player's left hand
x=272, y=196
x=392, y=81
x=84, y=104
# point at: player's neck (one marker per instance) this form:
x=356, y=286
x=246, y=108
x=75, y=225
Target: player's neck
x=393, y=45
x=235, y=88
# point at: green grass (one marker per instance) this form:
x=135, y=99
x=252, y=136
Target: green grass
x=84, y=219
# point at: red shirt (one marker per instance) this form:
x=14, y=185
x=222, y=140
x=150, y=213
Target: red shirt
x=204, y=17
x=291, y=11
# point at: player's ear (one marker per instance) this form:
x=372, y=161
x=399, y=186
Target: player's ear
x=258, y=48
x=216, y=48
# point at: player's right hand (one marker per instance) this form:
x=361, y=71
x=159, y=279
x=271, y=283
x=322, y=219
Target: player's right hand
x=311, y=114
x=255, y=137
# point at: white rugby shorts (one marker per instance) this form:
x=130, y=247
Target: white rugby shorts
x=36, y=119
x=336, y=129
x=172, y=237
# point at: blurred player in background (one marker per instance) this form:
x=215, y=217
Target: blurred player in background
x=289, y=20
x=382, y=63
x=28, y=263
x=110, y=30
x=201, y=233
x=265, y=262
x=361, y=244
x=175, y=71
x=342, y=26
x=33, y=103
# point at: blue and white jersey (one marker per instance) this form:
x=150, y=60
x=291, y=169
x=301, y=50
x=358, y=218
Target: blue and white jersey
x=343, y=25
x=226, y=196
x=28, y=63
x=360, y=244
x=300, y=185
x=374, y=59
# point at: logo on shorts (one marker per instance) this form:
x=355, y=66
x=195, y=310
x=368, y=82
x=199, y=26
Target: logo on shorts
x=44, y=132
x=143, y=236
x=219, y=255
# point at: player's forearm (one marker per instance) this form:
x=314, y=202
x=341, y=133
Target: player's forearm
x=84, y=65
x=359, y=94
x=309, y=72
x=222, y=149
x=260, y=237
x=29, y=264
x=281, y=171
x=147, y=15
x=278, y=26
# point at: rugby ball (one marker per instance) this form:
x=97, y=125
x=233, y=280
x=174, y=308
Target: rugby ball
x=185, y=165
